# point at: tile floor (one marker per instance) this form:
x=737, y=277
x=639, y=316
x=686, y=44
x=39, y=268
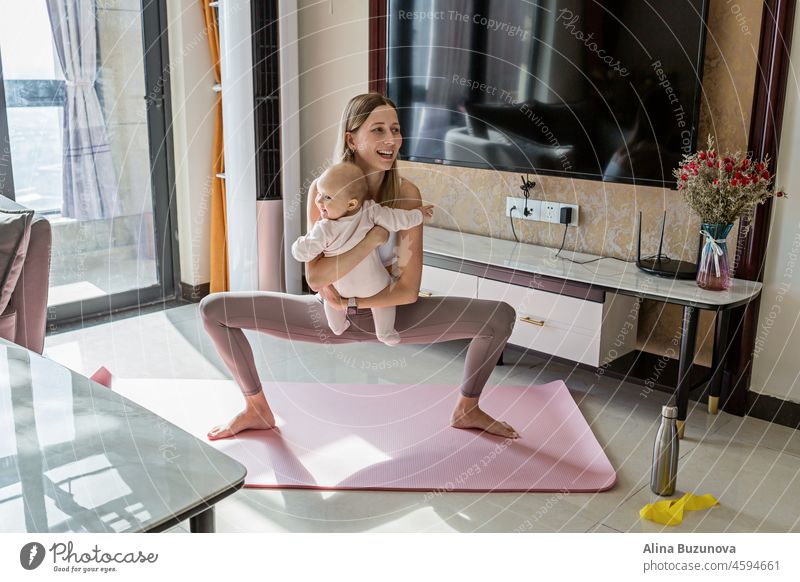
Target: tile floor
x=749, y=465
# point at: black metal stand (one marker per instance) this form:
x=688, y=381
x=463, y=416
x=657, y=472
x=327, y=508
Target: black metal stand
x=720, y=354
x=719, y=358
x=686, y=359
x=203, y=522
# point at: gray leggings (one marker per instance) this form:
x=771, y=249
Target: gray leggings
x=302, y=318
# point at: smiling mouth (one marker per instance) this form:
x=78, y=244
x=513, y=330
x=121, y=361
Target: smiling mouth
x=386, y=154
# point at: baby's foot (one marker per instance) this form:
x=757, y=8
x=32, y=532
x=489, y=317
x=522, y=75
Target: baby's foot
x=390, y=339
x=340, y=331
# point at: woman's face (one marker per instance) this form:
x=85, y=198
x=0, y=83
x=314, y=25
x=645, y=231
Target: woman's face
x=377, y=142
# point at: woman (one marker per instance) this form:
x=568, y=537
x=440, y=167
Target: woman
x=369, y=136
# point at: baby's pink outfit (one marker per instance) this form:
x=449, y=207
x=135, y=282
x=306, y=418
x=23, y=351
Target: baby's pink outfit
x=334, y=237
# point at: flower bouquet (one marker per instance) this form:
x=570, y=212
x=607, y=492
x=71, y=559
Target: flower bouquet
x=721, y=188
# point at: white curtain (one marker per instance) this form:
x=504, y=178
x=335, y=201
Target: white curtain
x=90, y=185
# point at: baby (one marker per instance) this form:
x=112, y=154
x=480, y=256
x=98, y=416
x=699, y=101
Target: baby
x=345, y=218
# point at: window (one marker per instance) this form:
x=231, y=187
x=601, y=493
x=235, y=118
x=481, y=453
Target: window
x=34, y=87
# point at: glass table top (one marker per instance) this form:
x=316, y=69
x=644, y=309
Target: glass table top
x=76, y=457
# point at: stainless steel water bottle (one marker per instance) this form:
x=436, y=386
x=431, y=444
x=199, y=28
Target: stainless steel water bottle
x=665, y=453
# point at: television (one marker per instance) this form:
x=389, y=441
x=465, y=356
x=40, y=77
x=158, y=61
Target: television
x=602, y=90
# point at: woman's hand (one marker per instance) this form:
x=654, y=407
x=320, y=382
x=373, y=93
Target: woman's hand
x=331, y=296
x=427, y=211
x=378, y=235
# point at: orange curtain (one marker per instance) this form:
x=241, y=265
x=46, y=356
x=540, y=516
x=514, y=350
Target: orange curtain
x=219, y=229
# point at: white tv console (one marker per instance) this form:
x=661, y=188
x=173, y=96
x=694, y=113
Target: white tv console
x=583, y=313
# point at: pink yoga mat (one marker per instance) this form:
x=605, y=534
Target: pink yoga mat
x=392, y=436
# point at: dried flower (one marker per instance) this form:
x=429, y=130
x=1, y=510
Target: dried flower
x=723, y=192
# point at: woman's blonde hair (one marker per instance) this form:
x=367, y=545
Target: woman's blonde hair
x=353, y=117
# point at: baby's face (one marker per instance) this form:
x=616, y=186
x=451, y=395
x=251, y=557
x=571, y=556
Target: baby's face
x=333, y=205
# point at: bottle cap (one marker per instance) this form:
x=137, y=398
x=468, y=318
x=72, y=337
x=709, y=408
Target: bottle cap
x=669, y=411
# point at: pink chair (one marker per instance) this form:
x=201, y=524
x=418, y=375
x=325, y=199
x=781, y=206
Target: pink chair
x=24, y=318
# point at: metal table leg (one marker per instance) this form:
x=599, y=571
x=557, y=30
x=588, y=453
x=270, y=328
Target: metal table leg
x=718, y=359
x=203, y=522
x=688, y=333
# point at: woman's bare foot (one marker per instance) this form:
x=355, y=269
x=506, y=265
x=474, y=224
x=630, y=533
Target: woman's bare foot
x=256, y=416
x=467, y=414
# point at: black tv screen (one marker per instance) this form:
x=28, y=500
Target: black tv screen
x=599, y=90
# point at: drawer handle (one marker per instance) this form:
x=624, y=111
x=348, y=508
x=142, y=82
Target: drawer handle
x=425, y=294
x=526, y=319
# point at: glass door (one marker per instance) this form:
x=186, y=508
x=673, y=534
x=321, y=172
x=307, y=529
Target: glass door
x=85, y=129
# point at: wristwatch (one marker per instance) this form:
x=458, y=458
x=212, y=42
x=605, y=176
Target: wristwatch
x=352, y=306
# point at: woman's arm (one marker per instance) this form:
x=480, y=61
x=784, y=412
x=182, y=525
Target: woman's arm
x=322, y=270
x=409, y=259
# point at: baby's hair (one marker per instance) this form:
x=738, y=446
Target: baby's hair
x=349, y=176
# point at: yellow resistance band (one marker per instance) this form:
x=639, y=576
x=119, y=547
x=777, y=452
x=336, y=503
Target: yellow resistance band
x=670, y=512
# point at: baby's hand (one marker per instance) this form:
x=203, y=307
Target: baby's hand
x=427, y=211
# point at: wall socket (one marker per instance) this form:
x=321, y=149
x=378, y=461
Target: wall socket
x=539, y=210
x=534, y=208
x=550, y=211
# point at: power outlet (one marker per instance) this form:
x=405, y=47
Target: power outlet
x=550, y=211
x=534, y=208
x=574, y=207
x=539, y=210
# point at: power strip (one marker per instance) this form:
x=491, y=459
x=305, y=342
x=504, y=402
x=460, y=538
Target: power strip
x=540, y=210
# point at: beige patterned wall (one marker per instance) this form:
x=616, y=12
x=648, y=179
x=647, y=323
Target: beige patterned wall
x=473, y=200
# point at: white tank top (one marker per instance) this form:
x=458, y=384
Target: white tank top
x=386, y=251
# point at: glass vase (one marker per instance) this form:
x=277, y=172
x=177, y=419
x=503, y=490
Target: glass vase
x=713, y=271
